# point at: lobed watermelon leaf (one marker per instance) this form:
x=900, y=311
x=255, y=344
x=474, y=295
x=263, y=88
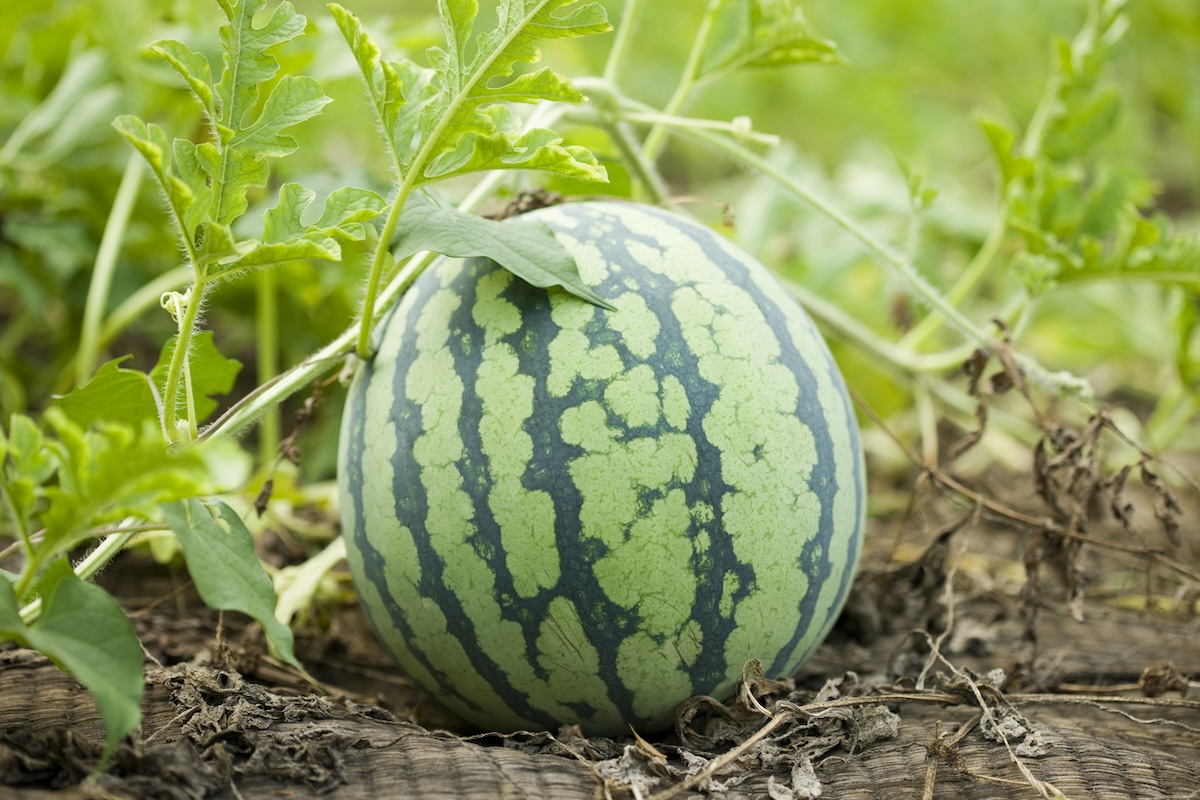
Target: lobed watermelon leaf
x=26, y=463
x=763, y=33
x=207, y=184
x=285, y=238
x=450, y=120
x=1081, y=222
x=453, y=119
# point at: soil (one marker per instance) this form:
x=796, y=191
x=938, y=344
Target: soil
x=948, y=676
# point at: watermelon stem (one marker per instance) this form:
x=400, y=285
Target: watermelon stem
x=656, y=139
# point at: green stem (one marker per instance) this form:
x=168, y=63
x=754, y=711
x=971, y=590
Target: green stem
x=266, y=323
x=92, y=563
x=636, y=161
x=145, y=297
x=383, y=252
x=882, y=350
x=176, y=372
x=105, y=267
x=678, y=122
x=963, y=287
x=656, y=139
x=622, y=43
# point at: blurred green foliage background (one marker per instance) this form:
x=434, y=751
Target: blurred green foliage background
x=915, y=77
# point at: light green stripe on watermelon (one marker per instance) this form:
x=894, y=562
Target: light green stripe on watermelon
x=834, y=403
x=526, y=518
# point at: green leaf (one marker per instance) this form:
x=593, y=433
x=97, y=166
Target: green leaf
x=108, y=473
x=195, y=70
x=498, y=144
x=151, y=142
x=83, y=631
x=26, y=464
x=113, y=395
x=382, y=79
x=240, y=165
x=528, y=249
x=228, y=575
x=348, y=206
x=451, y=118
x=248, y=65
x=286, y=238
x=764, y=33
x=462, y=121
x=211, y=373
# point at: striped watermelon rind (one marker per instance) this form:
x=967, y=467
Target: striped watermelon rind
x=558, y=514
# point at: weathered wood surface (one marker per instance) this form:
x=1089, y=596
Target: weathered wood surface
x=209, y=734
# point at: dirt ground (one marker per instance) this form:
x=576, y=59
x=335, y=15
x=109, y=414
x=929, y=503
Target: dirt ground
x=933, y=685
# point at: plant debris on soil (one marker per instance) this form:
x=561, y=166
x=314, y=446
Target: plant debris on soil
x=990, y=649
x=930, y=687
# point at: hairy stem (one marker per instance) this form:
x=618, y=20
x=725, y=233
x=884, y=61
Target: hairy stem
x=92, y=563
x=383, y=254
x=176, y=376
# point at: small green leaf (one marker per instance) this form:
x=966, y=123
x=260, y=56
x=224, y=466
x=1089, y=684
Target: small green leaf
x=347, y=206
x=500, y=145
x=192, y=172
x=282, y=223
x=193, y=67
x=222, y=562
x=212, y=374
x=83, y=631
x=528, y=249
x=113, y=395
x=108, y=473
x=382, y=79
x=344, y=209
x=286, y=238
x=764, y=33
x=26, y=464
x=26, y=447
x=151, y=142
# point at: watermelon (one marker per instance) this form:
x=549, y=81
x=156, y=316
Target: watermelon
x=555, y=513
